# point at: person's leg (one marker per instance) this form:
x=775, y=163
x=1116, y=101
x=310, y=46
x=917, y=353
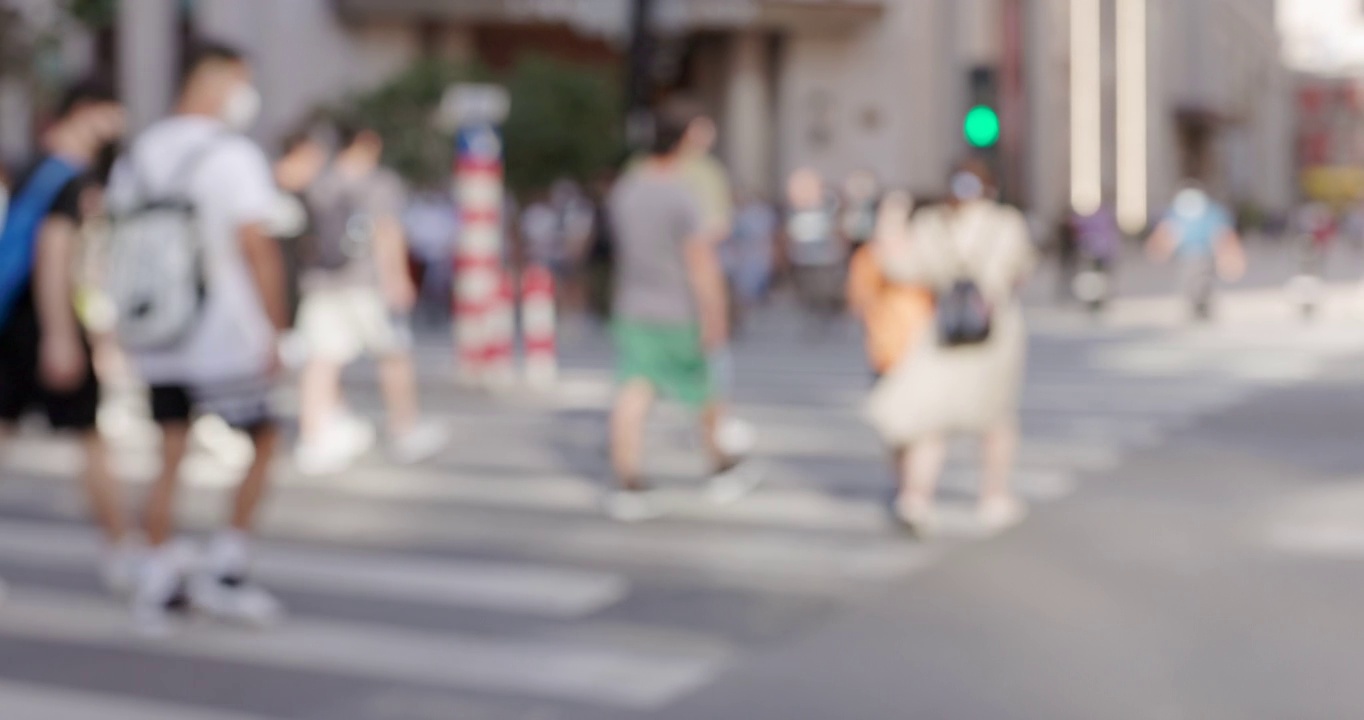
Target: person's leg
x=398, y=381
x=319, y=397
x=330, y=331
x=921, y=467
x=712, y=417
x=998, y=449
x=253, y=487
x=106, y=502
x=159, y=512
x=628, y=416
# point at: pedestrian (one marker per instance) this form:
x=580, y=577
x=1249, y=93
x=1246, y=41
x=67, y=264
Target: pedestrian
x=1200, y=234
x=858, y=209
x=600, y=262
x=670, y=311
x=751, y=250
x=358, y=294
x=432, y=226
x=893, y=314
x=814, y=246
x=301, y=161
x=1098, y=241
x=709, y=184
x=965, y=374
x=199, y=287
x=46, y=360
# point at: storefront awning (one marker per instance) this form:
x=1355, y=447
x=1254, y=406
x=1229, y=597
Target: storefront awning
x=612, y=16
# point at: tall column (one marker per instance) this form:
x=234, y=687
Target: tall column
x=1133, y=110
x=1086, y=106
x=148, y=57
x=749, y=126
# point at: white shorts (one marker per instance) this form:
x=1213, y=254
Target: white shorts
x=341, y=325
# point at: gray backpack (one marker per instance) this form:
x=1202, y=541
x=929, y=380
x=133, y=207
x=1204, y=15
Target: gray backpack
x=155, y=274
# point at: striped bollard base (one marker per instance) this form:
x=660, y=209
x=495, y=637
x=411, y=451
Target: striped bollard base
x=539, y=324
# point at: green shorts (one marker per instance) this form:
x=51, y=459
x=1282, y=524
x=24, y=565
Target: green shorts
x=668, y=357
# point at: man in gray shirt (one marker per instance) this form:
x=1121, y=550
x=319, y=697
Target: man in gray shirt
x=357, y=295
x=670, y=311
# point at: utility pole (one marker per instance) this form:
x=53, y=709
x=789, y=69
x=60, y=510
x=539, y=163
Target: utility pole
x=1013, y=102
x=639, y=89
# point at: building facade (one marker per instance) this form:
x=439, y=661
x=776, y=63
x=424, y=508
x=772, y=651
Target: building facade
x=837, y=85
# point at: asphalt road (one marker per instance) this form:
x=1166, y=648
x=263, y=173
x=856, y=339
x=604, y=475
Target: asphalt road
x=1193, y=552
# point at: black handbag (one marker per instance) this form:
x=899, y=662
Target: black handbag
x=964, y=317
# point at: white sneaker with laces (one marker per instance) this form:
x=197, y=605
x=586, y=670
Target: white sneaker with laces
x=422, y=442
x=345, y=440
x=235, y=599
x=732, y=484
x=159, y=595
x=632, y=506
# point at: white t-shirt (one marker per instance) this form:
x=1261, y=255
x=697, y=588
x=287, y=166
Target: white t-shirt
x=231, y=187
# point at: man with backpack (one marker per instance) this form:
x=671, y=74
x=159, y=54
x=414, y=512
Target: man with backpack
x=358, y=295
x=45, y=356
x=199, y=288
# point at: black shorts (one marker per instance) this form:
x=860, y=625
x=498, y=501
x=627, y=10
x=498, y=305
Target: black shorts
x=243, y=404
x=21, y=387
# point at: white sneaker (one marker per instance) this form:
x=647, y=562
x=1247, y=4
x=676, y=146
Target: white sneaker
x=119, y=568
x=1001, y=513
x=734, y=483
x=424, y=441
x=344, y=441
x=160, y=593
x=632, y=506
x=736, y=438
x=235, y=599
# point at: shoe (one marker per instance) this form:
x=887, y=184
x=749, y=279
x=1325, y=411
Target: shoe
x=733, y=482
x=919, y=521
x=1001, y=513
x=632, y=506
x=160, y=596
x=345, y=440
x=424, y=441
x=119, y=569
x=234, y=598
x=736, y=437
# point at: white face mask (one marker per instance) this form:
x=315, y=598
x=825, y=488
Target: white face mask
x=967, y=187
x=242, y=108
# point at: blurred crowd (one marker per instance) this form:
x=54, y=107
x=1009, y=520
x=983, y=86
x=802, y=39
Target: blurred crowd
x=185, y=268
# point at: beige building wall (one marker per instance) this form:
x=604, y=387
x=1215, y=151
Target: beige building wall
x=880, y=96
x=304, y=55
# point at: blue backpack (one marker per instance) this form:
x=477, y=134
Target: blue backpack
x=22, y=221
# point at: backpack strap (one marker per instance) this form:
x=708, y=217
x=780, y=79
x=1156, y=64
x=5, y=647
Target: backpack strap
x=181, y=176
x=23, y=221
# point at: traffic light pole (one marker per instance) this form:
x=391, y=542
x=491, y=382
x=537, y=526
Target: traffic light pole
x=1013, y=104
x=639, y=89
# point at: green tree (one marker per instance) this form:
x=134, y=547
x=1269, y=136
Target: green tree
x=402, y=111
x=565, y=121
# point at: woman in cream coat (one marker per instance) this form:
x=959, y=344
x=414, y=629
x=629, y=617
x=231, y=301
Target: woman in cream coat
x=936, y=391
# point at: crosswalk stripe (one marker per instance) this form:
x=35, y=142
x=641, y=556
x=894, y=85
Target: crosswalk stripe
x=520, y=588
x=550, y=670
x=22, y=701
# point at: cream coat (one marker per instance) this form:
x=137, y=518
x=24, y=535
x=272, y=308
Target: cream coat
x=967, y=389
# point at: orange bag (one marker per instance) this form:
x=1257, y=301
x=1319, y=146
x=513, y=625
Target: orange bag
x=894, y=315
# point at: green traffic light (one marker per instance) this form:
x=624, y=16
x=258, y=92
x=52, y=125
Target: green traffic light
x=982, y=126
